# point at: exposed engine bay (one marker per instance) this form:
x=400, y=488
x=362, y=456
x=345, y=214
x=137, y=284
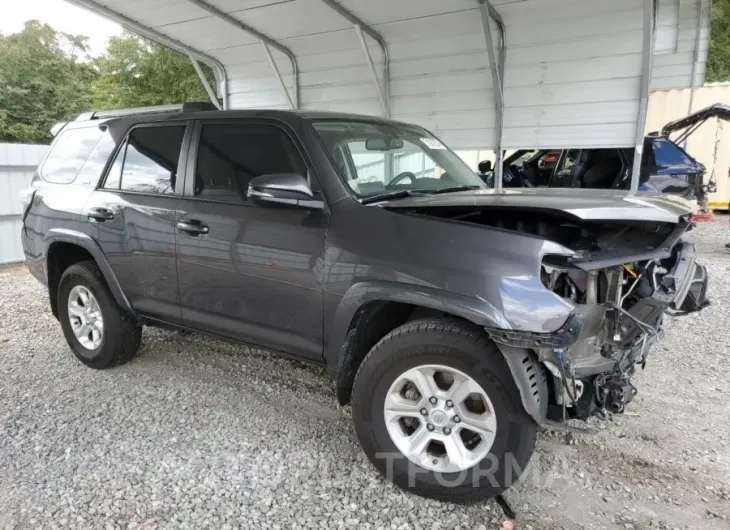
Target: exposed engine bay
x=621, y=280
x=622, y=309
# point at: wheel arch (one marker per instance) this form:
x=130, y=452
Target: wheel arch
x=370, y=310
x=57, y=244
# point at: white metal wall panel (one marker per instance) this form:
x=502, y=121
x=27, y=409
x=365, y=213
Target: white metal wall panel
x=572, y=73
x=591, y=97
x=673, y=69
x=17, y=165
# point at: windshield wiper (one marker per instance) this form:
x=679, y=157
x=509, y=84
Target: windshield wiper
x=457, y=188
x=400, y=194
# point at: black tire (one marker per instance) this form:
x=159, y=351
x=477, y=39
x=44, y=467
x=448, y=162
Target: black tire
x=465, y=348
x=122, y=334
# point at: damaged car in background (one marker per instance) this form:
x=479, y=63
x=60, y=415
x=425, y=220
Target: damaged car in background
x=457, y=320
x=665, y=166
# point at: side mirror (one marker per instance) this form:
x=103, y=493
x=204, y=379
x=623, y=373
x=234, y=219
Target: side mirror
x=485, y=166
x=282, y=189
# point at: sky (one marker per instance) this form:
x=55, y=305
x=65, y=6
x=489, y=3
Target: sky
x=61, y=16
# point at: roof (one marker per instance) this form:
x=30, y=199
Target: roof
x=84, y=121
x=573, y=75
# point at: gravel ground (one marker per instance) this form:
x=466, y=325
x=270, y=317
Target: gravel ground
x=198, y=433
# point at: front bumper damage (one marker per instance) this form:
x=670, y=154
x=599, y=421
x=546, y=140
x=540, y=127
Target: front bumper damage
x=587, y=363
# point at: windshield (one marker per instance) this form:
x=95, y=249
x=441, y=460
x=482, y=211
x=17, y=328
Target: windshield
x=376, y=159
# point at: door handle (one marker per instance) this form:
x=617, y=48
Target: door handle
x=100, y=215
x=193, y=227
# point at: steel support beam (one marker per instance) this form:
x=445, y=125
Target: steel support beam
x=275, y=68
x=204, y=81
x=362, y=28
x=268, y=43
x=496, y=64
x=696, y=60
x=649, y=18
x=154, y=35
x=373, y=72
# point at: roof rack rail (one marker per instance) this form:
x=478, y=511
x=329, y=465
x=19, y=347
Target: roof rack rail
x=190, y=106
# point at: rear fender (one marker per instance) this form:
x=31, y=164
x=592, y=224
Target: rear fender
x=74, y=237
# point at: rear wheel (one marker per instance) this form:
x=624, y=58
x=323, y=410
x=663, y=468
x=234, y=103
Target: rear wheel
x=99, y=332
x=437, y=412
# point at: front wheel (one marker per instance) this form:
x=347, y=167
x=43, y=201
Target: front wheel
x=437, y=412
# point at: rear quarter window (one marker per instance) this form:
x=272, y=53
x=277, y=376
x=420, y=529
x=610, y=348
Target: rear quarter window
x=666, y=153
x=69, y=153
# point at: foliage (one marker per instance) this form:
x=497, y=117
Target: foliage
x=45, y=77
x=136, y=72
x=718, y=55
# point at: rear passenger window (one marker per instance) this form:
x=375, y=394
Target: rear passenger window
x=230, y=155
x=151, y=157
x=68, y=154
x=666, y=153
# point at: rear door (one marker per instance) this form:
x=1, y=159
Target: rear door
x=133, y=212
x=249, y=272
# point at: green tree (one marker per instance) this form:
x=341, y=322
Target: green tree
x=45, y=77
x=718, y=53
x=135, y=72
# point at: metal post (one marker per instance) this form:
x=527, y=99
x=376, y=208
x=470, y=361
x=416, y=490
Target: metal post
x=278, y=75
x=263, y=38
x=369, y=59
x=695, y=63
x=497, y=68
x=384, y=88
x=204, y=80
x=156, y=36
x=646, y=63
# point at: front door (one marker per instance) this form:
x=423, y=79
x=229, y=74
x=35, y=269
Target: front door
x=249, y=272
x=133, y=212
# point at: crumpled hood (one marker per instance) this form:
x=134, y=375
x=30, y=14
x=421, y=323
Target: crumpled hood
x=588, y=205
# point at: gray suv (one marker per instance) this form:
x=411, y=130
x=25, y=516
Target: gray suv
x=457, y=320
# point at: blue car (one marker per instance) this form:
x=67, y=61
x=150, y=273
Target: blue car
x=665, y=166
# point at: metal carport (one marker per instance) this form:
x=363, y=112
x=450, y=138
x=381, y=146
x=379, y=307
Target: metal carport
x=479, y=73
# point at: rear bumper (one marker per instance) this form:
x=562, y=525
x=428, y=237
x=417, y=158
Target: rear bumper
x=37, y=269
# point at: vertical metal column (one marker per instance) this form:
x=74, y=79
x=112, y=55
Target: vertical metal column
x=275, y=68
x=369, y=60
x=496, y=64
x=649, y=15
x=362, y=28
x=267, y=41
x=204, y=81
x=696, y=60
x=152, y=34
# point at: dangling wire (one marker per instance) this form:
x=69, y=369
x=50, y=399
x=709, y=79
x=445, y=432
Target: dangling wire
x=718, y=128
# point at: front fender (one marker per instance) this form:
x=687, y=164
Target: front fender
x=74, y=237
x=474, y=309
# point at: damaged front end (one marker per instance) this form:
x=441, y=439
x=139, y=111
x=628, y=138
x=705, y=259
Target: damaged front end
x=621, y=281
x=580, y=281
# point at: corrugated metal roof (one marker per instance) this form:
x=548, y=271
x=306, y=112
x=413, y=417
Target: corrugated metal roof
x=572, y=75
